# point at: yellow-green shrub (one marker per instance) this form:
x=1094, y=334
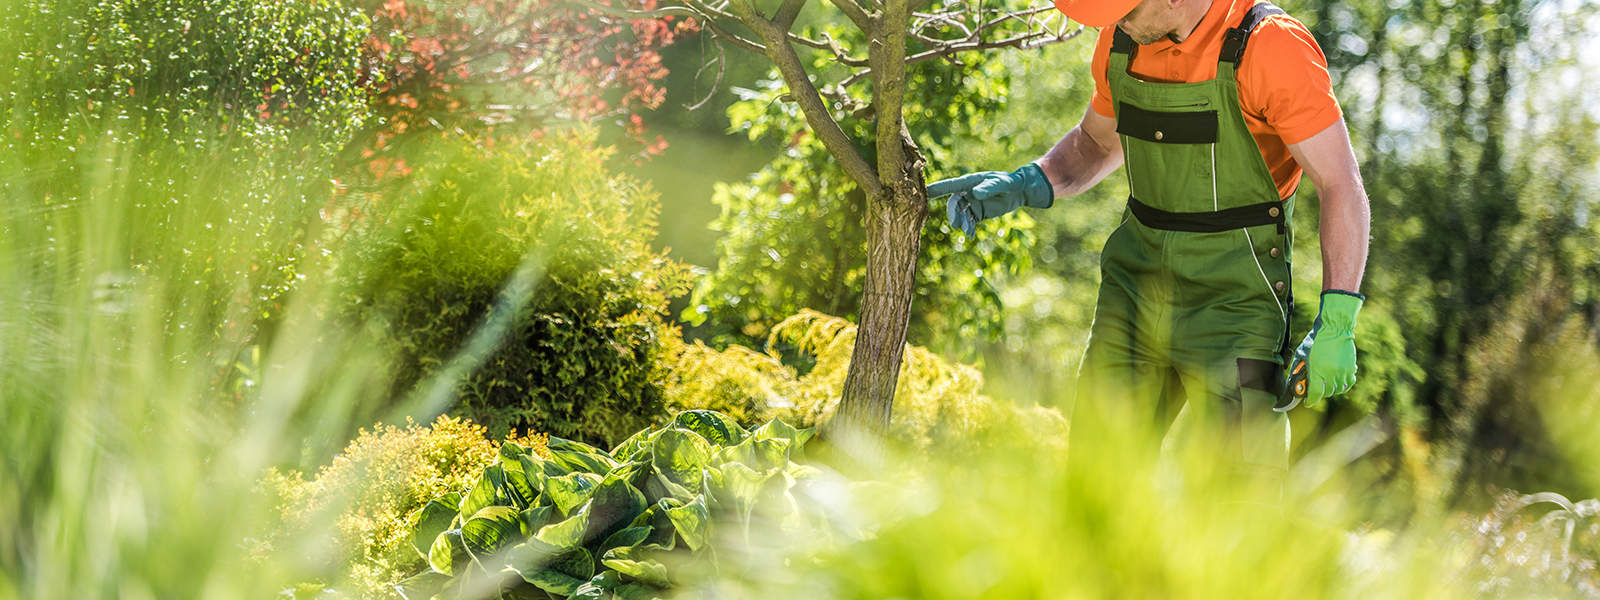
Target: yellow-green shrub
x=359, y=505
x=936, y=401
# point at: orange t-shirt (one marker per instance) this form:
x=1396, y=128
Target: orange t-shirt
x=1284, y=87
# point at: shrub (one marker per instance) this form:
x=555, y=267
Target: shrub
x=936, y=401
x=370, y=491
x=534, y=247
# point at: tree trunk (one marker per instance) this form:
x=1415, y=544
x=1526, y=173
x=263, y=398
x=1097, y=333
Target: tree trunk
x=894, y=242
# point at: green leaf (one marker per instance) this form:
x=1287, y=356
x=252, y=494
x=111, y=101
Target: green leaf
x=535, y=518
x=679, y=454
x=693, y=522
x=738, y=485
x=578, y=456
x=565, y=534
x=636, y=591
x=570, y=490
x=431, y=520
x=491, y=529
x=655, y=519
x=658, y=487
x=421, y=586
x=757, y=453
x=596, y=587
x=624, y=561
x=444, y=555
x=629, y=448
x=564, y=573
x=531, y=557
x=714, y=426
x=485, y=492
x=625, y=537
x=614, y=506
x=518, y=483
x=778, y=430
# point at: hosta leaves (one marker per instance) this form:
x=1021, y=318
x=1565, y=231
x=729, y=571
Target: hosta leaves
x=433, y=519
x=491, y=529
x=679, y=454
x=636, y=591
x=486, y=492
x=534, y=519
x=565, y=534
x=737, y=486
x=519, y=484
x=421, y=586
x=655, y=519
x=625, y=537
x=629, y=448
x=631, y=563
x=779, y=430
x=614, y=505
x=658, y=486
x=596, y=587
x=693, y=522
x=578, y=456
x=715, y=427
x=570, y=490
x=446, y=552
x=564, y=573
x=757, y=453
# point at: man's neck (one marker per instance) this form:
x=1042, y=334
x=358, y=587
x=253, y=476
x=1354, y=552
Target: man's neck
x=1194, y=12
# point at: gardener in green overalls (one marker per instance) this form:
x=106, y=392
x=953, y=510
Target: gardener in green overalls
x=1215, y=107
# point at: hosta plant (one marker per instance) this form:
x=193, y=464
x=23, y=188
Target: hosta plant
x=629, y=523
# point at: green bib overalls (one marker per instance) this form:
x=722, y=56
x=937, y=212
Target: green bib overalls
x=1195, y=290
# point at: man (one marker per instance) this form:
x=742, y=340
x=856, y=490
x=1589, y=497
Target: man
x=1215, y=107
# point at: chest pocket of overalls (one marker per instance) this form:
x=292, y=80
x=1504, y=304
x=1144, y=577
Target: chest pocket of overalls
x=1171, y=145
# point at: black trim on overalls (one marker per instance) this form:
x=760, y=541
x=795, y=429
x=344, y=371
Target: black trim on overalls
x=1238, y=217
x=1198, y=127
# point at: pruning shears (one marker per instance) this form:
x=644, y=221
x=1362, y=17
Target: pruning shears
x=1294, y=388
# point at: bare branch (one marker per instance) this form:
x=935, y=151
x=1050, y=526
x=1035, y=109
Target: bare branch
x=855, y=13
x=805, y=94
x=784, y=18
x=722, y=67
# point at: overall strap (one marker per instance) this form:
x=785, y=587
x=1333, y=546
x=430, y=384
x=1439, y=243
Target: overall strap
x=1234, y=41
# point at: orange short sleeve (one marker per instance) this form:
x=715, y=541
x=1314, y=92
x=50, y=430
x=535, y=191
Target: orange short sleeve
x=1101, y=102
x=1283, y=81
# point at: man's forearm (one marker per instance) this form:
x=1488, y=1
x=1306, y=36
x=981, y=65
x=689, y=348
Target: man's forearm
x=1079, y=161
x=1346, y=226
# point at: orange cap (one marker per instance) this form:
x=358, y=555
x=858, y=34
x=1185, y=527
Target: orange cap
x=1096, y=13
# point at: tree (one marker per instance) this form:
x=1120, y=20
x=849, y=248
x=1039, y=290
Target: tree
x=494, y=66
x=888, y=166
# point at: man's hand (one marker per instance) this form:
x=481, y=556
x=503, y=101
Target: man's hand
x=989, y=194
x=1329, y=350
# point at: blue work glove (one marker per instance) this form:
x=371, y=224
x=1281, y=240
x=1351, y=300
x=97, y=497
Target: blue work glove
x=989, y=194
x=1329, y=350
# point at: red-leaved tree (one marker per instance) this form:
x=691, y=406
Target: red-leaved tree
x=502, y=66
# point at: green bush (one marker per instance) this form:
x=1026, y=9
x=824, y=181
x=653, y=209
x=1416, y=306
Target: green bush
x=521, y=272
x=369, y=493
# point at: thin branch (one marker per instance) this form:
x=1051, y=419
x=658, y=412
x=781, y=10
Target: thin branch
x=855, y=13
x=784, y=18
x=1022, y=41
x=722, y=66
x=805, y=94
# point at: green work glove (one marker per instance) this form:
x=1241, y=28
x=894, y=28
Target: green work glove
x=1329, y=350
x=978, y=196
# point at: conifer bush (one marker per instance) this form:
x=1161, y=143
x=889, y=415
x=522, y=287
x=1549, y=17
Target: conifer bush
x=535, y=248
